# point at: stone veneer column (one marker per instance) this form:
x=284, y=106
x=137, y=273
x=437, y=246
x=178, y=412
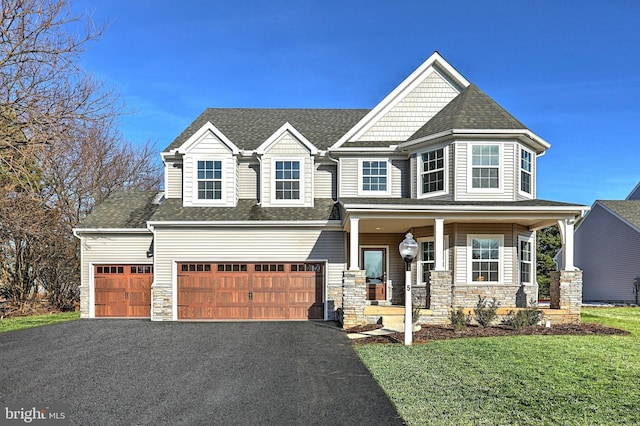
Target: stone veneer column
x=440, y=283
x=566, y=291
x=354, y=298
x=84, y=301
x=161, y=304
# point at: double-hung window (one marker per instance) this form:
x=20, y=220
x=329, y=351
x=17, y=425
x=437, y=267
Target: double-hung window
x=526, y=167
x=427, y=258
x=433, y=173
x=374, y=176
x=209, y=179
x=526, y=261
x=287, y=180
x=485, y=166
x=485, y=257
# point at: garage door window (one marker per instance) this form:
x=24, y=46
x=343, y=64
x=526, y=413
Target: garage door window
x=269, y=267
x=232, y=267
x=196, y=267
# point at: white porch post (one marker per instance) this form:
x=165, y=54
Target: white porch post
x=439, y=244
x=353, y=244
x=566, y=232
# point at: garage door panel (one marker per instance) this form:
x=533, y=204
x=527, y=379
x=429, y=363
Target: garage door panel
x=252, y=291
x=122, y=290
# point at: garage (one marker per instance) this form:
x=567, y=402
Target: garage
x=123, y=290
x=250, y=291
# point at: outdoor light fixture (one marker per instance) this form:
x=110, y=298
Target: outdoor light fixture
x=408, y=251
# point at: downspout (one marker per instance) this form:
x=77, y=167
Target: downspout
x=260, y=180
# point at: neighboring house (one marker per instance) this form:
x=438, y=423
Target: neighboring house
x=607, y=249
x=298, y=213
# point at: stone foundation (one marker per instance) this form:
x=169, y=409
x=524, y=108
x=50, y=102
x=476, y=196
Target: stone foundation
x=161, y=304
x=566, y=292
x=354, y=298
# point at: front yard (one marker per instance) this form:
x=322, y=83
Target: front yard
x=572, y=380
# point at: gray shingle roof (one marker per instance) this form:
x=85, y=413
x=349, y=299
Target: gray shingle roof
x=430, y=202
x=124, y=209
x=248, y=128
x=471, y=109
x=629, y=210
x=246, y=210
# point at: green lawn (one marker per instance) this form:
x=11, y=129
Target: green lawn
x=17, y=323
x=525, y=380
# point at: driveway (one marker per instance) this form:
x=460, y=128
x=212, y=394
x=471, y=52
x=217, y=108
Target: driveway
x=137, y=372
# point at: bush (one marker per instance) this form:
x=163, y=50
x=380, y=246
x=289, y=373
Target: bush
x=458, y=319
x=524, y=318
x=485, y=312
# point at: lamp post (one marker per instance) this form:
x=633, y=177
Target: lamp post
x=408, y=251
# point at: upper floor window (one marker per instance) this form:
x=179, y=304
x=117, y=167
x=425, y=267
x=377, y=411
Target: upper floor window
x=485, y=259
x=374, y=177
x=526, y=166
x=485, y=166
x=287, y=180
x=433, y=173
x=209, y=180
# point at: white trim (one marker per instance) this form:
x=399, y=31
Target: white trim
x=361, y=191
x=420, y=171
x=301, y=188
x=387, y=295
x=325, y=224
x=275, y=137
x=195, y=201
x=399, y=93
x=470, y=167
x=523, y=135
x=500, y=238
x=421, y=262
x=519, y=152
x=532, y=270
x=199, y=134
x=77, y=232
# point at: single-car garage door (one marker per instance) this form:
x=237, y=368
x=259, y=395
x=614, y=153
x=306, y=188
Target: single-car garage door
x=259, y=291
x=123, y=290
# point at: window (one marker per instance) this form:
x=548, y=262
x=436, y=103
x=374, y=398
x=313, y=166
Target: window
x=209, y=180
x=526, y=261
x=485, y=166
x=485, y=258
x=525, y=171
x=433, y=171
x=374, y=176
x=427, y=258
x=287, y=180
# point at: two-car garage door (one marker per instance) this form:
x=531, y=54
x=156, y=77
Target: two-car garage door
x=258, y=291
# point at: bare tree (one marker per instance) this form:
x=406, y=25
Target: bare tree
x=60, y=152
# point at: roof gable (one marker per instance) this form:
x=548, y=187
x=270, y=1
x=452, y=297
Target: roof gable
x=635, y=193
x=197, y=136
x=286, y=128
x=626, y=210
x=436, y=68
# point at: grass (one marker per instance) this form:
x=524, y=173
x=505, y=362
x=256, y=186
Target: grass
x=19, y=323
x=523, y=380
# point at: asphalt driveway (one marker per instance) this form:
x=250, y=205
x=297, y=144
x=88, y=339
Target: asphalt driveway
x=136, y=372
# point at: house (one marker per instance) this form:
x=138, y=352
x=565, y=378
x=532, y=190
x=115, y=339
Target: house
x=607, y=249
x=298, y=213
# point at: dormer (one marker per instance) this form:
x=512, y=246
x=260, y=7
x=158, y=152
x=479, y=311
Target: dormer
x=209, y=168
x=287, y=168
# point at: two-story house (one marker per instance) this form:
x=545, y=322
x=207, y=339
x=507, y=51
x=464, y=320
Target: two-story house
x=298, y=213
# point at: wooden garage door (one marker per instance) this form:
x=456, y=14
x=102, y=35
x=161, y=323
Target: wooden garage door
x=259, y=291
x=123, y=290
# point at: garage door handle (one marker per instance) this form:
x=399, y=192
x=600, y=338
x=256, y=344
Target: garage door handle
x=126, y=295
x=250, y=295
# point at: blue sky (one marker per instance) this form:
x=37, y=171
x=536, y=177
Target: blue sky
x=569, y=70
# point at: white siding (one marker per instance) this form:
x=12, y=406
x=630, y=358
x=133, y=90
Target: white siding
x=173, y=178
x=608, y=252
x=249, y=244
x=287, y=147
x=248, y=180
x=210, y=147
x=325, y=181
x=398, y=174
x=415, y=109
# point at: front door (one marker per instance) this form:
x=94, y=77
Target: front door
x=374, y=261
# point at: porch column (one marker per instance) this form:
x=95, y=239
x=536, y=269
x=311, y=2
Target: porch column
x=439, y=244
x=353, y=244
x=566, y=232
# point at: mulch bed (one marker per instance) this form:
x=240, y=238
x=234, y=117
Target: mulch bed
x=437, y=332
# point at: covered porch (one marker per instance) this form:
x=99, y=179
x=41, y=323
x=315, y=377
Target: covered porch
x=450, y=270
